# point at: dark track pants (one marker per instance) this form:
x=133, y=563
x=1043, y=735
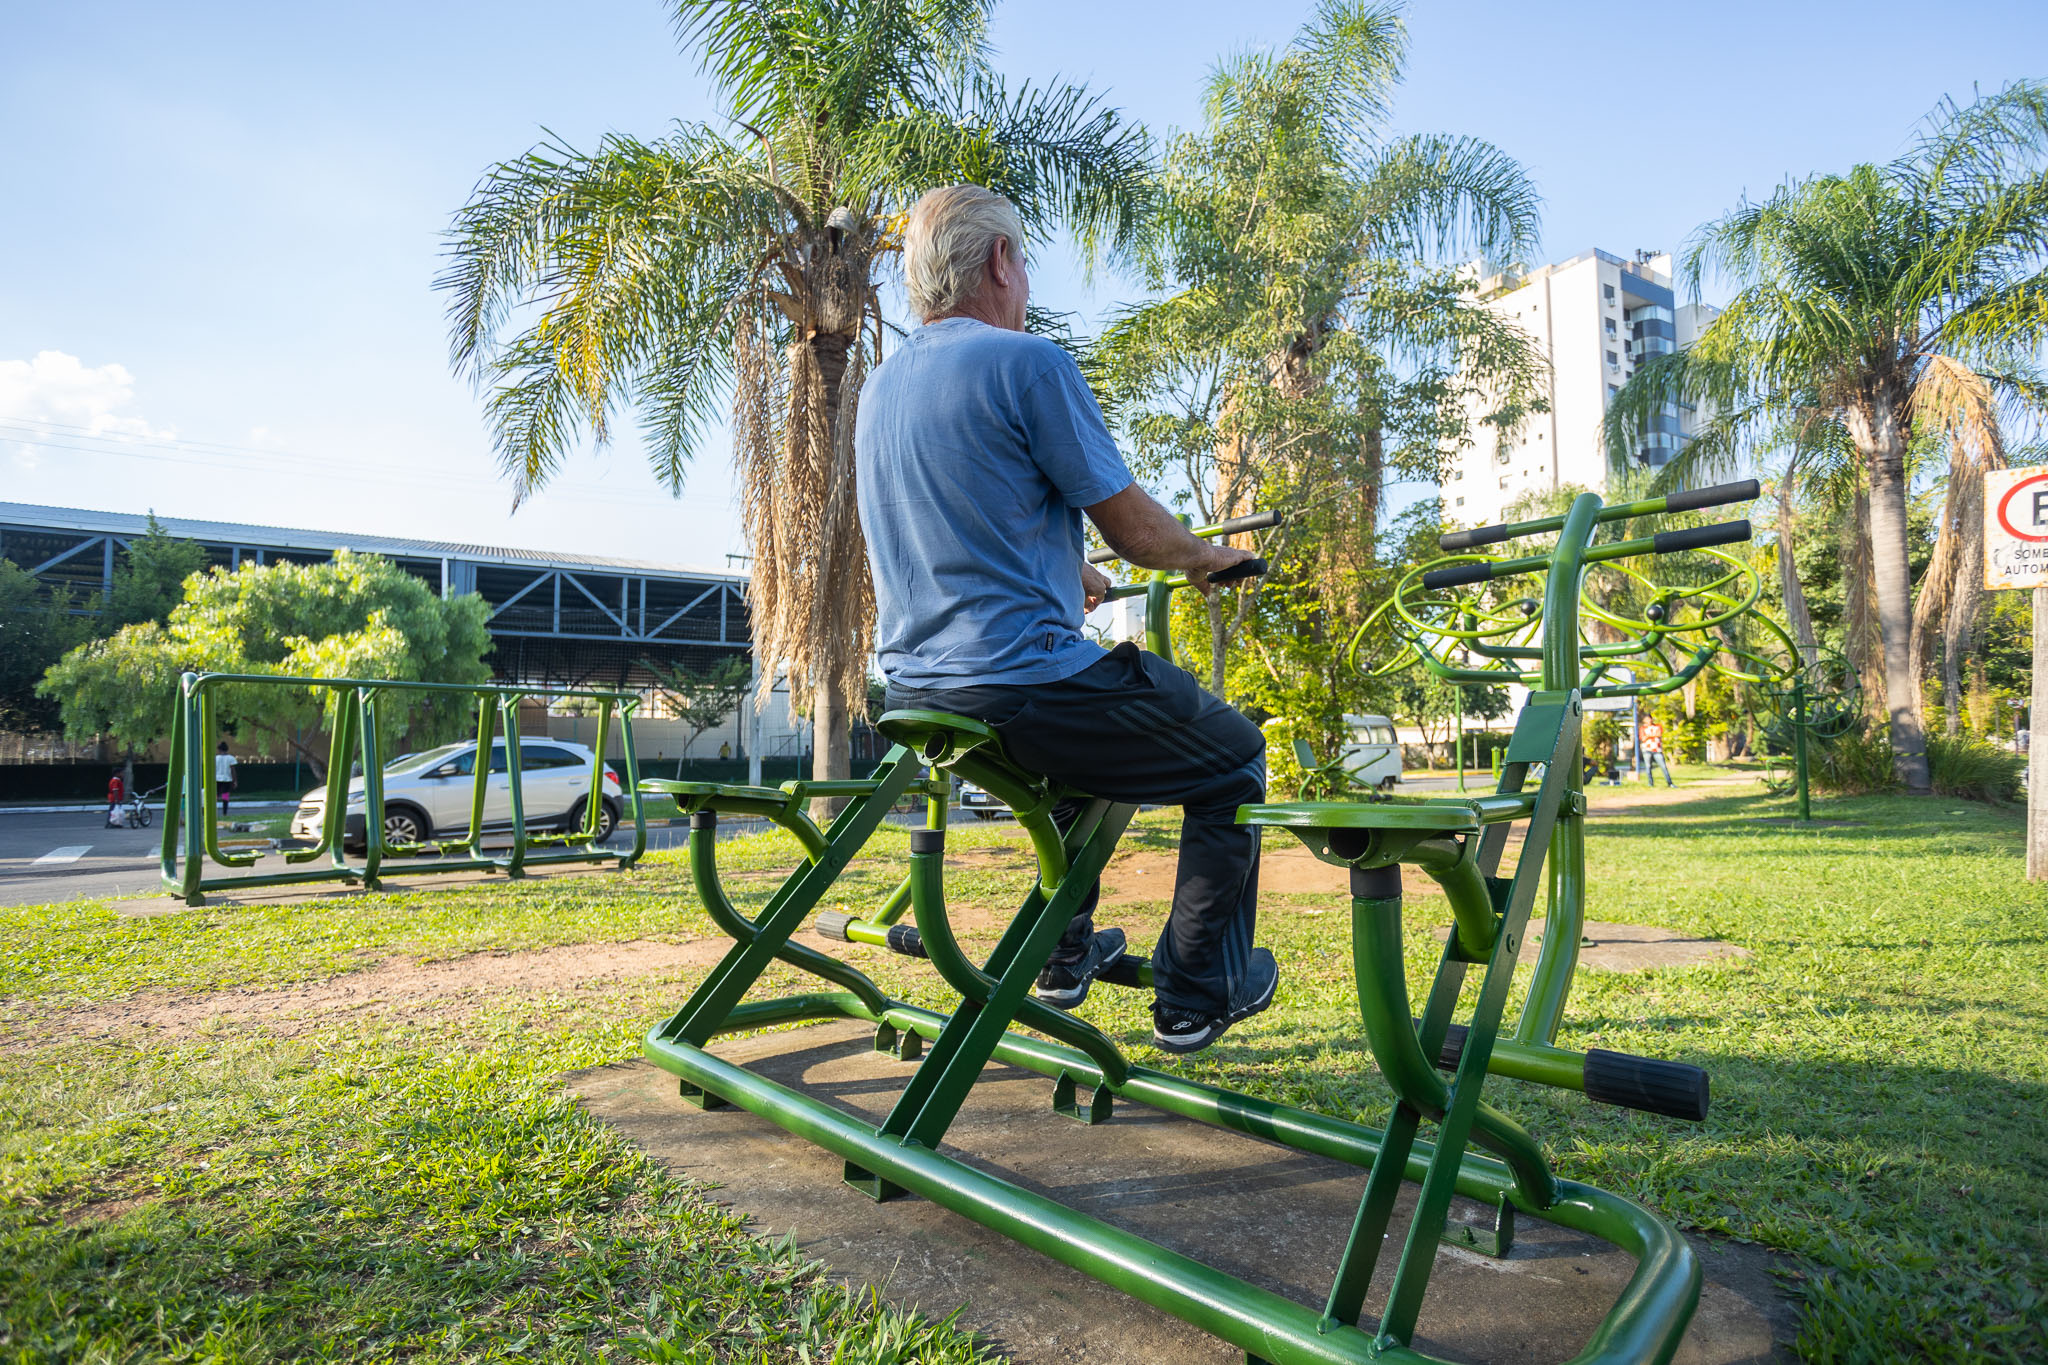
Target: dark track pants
x=1135, y=728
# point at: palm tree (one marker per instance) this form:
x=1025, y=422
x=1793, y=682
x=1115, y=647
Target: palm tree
x=1308, y=304
x=662, y=276
x=1891, y=300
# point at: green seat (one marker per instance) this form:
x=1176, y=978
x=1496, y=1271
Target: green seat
x=1380, y=833
x=971, y=748
x=732, y=799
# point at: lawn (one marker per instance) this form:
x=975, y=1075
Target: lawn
x=411, y=1182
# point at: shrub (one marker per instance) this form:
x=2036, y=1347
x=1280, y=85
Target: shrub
x=1966, y=765
x=1853, y=763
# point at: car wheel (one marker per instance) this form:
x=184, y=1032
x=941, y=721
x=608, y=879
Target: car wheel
x=1387, y=783
x=403, y=825
x=607, y=821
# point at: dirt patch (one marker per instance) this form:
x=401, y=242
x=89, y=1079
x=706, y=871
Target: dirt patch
x=394, y=988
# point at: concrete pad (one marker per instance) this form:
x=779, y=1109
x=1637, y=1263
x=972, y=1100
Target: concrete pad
x=1642, y=947
x=1270, y=1215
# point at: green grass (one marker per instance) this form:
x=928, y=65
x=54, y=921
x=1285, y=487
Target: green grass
x=423, y=1190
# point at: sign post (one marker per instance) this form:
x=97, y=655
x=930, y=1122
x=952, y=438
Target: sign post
x=2016, y=556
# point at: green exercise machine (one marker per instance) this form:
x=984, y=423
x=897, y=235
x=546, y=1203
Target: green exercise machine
x=1437, y=1066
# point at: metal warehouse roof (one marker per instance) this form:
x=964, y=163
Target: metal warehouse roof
x=127, y=524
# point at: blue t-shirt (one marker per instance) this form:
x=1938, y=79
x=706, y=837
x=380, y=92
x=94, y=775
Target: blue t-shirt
x=975, y=449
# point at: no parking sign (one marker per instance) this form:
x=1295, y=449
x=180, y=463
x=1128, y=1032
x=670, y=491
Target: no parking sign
x=2016, y=527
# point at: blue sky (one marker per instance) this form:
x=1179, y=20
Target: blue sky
x=223, y=220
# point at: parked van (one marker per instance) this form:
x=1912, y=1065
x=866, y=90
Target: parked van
x=1373, y=757
x=428, y=794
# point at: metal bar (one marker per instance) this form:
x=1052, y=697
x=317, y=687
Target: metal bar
x=684, y=609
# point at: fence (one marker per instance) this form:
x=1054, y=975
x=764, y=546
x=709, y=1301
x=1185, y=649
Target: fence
x=354, y=707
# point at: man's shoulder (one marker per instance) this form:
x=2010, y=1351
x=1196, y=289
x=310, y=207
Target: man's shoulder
x=994, y=347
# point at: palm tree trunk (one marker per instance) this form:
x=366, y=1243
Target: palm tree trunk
x=1881, y=441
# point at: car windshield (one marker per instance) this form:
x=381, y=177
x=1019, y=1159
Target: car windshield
x=429, y=759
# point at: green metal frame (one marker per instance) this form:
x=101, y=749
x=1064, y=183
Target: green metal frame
x=1458, y=843
x=354, y=706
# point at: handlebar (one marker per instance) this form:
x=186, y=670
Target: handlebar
x=1664, y=542
x=1690, y=500
x=1256, y=521
x=1246, y=568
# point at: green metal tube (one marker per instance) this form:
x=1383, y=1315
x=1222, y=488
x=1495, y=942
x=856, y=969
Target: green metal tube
x=1646, y=1324
x=1799, y=757
x=704, y=872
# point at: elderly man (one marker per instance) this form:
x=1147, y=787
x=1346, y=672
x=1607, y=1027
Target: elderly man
x=979, y=447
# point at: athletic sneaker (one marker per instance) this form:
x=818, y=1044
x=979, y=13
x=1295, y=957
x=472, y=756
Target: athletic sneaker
x=1180, y=1030
x=1064, y=985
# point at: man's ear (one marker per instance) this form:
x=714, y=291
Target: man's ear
x=1002, y=266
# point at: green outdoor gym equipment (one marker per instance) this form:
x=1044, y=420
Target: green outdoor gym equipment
x=1458, y=843
x=354, y=708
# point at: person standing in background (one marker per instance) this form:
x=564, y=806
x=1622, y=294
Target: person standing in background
x=117, y=792
x=1653, y=753
x=224, y=777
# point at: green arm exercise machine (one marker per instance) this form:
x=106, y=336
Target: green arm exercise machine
x=1459, y=843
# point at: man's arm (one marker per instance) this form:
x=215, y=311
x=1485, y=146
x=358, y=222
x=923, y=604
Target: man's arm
x=1147, y=535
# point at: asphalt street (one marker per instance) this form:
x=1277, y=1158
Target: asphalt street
x=46, y=857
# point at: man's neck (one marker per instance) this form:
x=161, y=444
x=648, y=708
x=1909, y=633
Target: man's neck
x=976, y=309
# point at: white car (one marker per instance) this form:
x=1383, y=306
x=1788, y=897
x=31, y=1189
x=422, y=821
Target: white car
x=1373, y=757
x=980, y=802
x=428, y=794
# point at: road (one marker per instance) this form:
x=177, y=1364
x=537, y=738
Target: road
x=72, y=855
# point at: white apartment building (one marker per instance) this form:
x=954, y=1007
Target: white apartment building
x=1596, y=316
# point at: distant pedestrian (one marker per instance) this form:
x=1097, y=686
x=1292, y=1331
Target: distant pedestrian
x=224, y=777
x=117, y=792
x=725, y=750
x=1653, y=754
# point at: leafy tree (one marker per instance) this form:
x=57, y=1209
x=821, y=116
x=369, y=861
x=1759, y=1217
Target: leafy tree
x=150, y=578
x=1311, y=328
x=1888, y=302
x=356, y=616
x=658, y=275
x=37, y=627
x=702, y=699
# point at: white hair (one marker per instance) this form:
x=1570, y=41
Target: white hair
x=946, y=245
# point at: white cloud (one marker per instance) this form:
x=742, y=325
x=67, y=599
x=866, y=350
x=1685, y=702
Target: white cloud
x=60, y=397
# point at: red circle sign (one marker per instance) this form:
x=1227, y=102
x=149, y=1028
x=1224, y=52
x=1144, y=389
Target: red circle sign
x=2005, y=507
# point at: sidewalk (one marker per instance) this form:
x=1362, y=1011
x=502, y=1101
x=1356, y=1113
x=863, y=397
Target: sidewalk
x=101, y=806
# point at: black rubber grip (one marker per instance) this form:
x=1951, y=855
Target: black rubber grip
x=1700, y=537
x=927, y=841
x=904, y=939
x=1124, y=971
x=1458, y=575
x=703, y=819
x=1674, y=1089
x=1720, y=495
x=1376, y=883
x=1450, y=542
x=832, y=924
x=1244, y=568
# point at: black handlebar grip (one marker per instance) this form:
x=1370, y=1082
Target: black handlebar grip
x=1648, y=1084
x=1458, y=575
x=1450, y=542
x=1244, y=568
x=1700, y=537
x=1720, y=495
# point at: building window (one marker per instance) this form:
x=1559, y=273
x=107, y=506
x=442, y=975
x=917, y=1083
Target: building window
x=1500, y=457
x=1610, y=326
x=1607, y=290
x=1459, y=503
x=1613, y=361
